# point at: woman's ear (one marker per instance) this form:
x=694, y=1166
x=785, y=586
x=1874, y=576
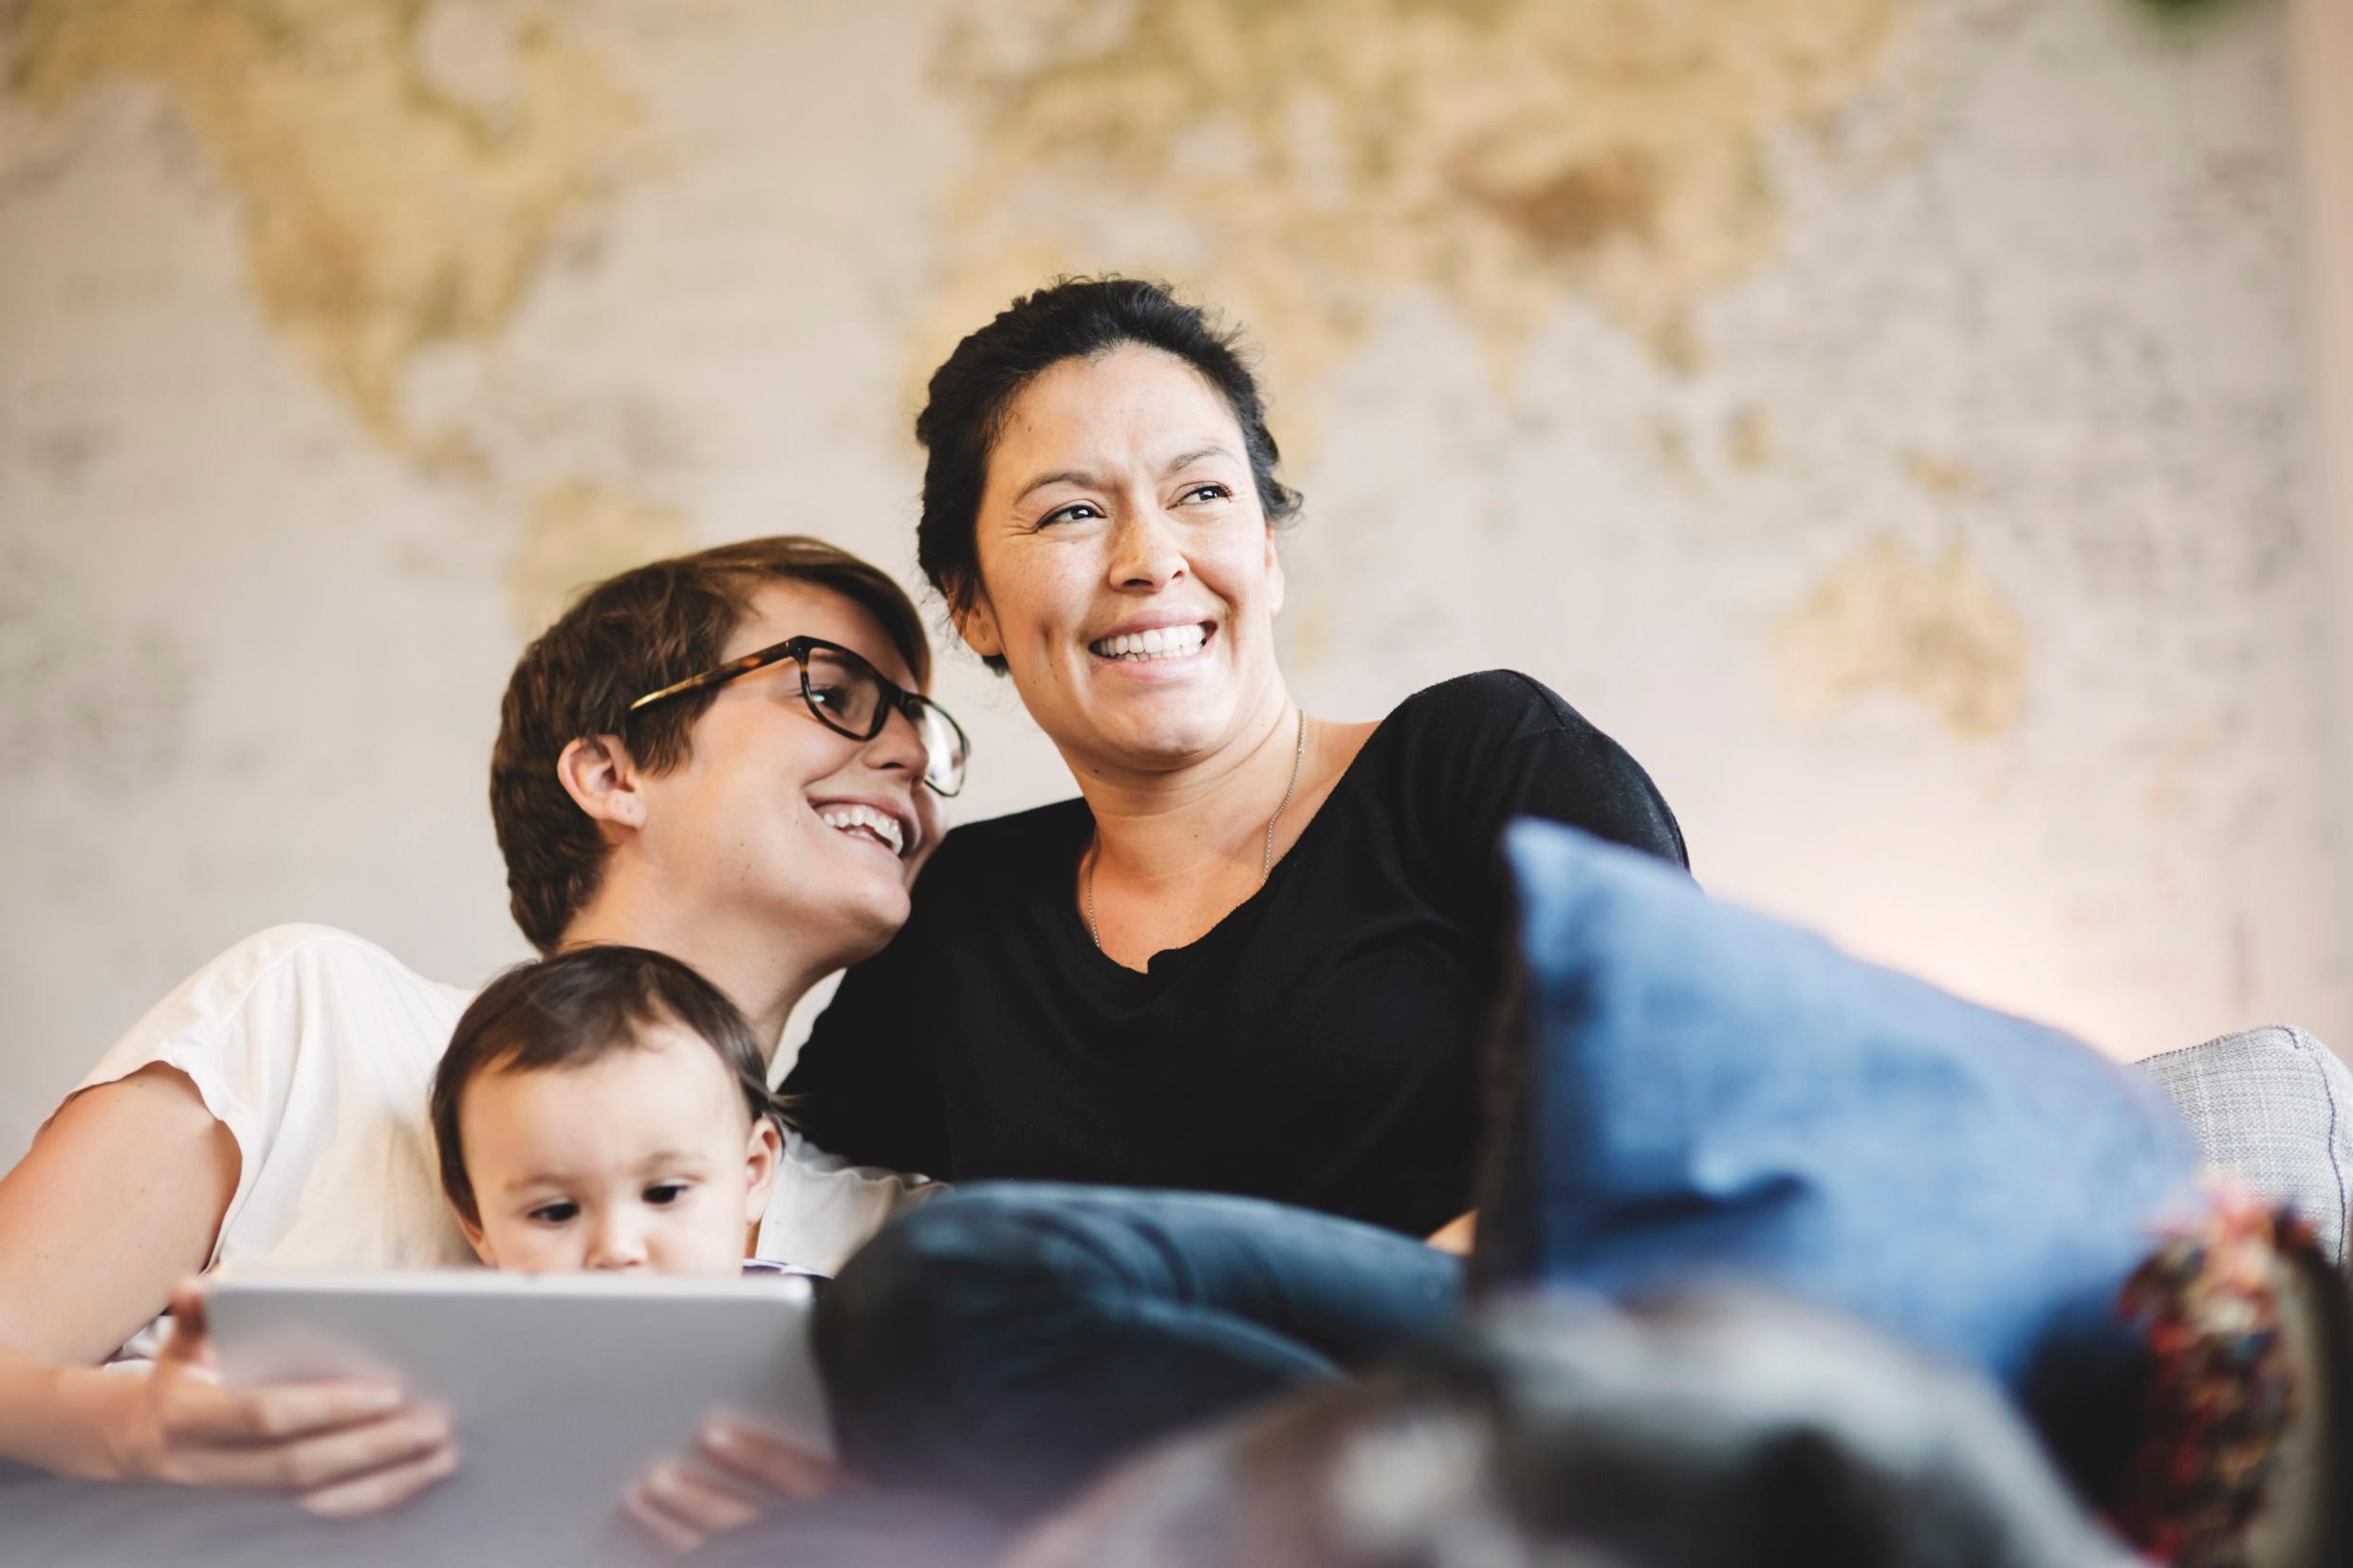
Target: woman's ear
x=1274, y=577
x=601, y=778
x=764, y=1154
x=976, y=619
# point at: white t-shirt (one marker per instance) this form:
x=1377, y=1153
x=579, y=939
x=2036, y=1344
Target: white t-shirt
x=317, y=1049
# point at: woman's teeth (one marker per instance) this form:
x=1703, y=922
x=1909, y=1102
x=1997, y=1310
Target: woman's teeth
x=852, y=818
x=1168, y=642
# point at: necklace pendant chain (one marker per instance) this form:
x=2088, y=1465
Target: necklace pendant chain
x=1266, y=858
x=1298, y=755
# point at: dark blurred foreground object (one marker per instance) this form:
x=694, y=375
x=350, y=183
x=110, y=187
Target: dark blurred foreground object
x=1727, y=1432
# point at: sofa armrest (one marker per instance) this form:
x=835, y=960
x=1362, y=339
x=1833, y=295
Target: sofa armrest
x=2273, y=1108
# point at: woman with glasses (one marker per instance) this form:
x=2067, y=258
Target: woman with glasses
x=1253, y=957
x=725, y=757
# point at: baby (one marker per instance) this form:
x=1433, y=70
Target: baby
x=606, y=1109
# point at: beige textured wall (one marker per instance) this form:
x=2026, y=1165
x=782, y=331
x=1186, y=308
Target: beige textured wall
x=2323, y=49
x=1912, y=462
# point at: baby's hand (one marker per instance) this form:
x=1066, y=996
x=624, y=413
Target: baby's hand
x=683, y=1504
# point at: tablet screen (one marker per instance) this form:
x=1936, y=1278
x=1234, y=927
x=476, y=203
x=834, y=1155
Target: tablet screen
x=562, y=1389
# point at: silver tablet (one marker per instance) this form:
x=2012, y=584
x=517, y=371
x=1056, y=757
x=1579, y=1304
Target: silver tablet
x=563, y=1388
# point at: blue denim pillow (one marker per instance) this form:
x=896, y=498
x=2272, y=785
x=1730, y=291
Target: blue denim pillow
x=1689, y=1092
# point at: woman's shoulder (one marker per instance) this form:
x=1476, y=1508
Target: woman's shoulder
x=306, y=957
x=1487, y=746
x=308, y=946
x=283, y=991
x=1505, y=703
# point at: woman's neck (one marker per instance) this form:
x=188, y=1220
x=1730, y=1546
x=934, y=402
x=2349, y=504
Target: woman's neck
x=758, y=968
x=1174, y=827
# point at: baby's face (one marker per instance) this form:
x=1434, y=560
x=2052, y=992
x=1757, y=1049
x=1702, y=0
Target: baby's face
x=639, y=1160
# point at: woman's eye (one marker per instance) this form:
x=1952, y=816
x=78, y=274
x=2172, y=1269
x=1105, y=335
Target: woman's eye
x=1212, y=493
x=1075, y=513
x=664, y=1194
x=827, y=696
x=555, y=1214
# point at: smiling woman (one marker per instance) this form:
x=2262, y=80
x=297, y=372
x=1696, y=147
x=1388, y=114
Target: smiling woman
x=1253, y=957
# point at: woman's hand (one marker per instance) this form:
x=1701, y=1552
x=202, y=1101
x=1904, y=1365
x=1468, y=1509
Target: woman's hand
x=343, y=1450
x=681, y=1504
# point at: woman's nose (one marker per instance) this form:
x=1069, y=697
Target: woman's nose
x=1145, y=550
x=897, y=745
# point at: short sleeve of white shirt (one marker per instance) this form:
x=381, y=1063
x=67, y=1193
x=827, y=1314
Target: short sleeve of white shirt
x=316, y=1050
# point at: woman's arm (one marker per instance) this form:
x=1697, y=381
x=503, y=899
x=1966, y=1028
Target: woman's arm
x=120, y=1197
x=121, y=1194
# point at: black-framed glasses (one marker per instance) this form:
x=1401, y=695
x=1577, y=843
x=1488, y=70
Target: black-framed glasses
x=850, y=697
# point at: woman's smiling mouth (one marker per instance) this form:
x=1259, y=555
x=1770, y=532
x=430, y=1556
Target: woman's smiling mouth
x=866, y=821
x=1167, y=643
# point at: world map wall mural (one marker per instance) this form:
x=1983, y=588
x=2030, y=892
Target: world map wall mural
x=1887, y=417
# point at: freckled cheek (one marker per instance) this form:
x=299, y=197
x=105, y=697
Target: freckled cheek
x=1048, y=605
x=1237, y=567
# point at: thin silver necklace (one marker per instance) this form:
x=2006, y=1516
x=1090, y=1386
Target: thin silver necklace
x=1266, y=858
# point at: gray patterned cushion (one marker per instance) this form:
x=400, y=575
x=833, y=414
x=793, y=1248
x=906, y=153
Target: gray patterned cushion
x=2274, y=1108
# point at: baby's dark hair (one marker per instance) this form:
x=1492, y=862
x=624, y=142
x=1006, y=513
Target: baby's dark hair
x=572, y=1009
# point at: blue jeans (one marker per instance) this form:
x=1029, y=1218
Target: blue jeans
x=1006, y=1341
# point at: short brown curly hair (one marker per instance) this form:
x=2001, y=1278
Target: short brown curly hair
x=628, y=635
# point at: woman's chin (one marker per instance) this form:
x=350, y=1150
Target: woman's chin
x=1160, y=746
x=1149, y=727
x=857, y=923
x=882, y=913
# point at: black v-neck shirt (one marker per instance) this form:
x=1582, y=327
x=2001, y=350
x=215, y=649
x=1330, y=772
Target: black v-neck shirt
x=1320, y=1045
